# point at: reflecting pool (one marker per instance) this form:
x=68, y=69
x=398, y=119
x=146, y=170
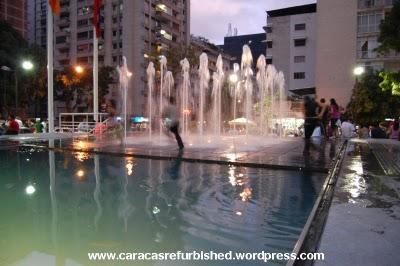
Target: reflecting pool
x=58, y=206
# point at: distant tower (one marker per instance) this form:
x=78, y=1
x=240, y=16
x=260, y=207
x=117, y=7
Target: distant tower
x=235, y=32
x=229, y=30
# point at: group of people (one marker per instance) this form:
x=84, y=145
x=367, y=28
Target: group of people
x=320, y=114
x=332, y=123
x=14, y=125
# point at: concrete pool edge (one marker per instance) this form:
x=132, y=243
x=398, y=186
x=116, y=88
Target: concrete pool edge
x=311, y=234
x=188, y=159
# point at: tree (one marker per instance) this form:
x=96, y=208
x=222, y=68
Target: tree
x=389, y=37
x=76, y=89
x=370, y=104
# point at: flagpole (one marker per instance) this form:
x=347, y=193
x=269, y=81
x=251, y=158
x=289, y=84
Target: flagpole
x=50, y=99
x=95, y=75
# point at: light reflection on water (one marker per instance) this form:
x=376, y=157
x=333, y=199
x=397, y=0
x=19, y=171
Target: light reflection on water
x=126, y=204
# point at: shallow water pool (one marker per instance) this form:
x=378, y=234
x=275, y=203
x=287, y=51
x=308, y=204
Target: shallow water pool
x=58, y=206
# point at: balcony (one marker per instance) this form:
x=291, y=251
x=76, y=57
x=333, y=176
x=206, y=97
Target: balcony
x=368, y=4
x=371, y=54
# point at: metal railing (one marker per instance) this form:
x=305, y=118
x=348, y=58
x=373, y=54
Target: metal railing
x=79, y=122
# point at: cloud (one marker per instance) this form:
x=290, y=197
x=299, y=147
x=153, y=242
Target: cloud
x=210, y=18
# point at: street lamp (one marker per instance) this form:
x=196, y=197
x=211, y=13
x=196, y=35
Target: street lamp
x=27, y=65
x=358, y=71
x=78, y=69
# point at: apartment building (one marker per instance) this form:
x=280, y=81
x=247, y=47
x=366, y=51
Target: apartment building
x=202, y=45
x=133, y=29
x=233, y=45
x=15, y=13
x=37, y=22
x=291, y=38
x=347, y=35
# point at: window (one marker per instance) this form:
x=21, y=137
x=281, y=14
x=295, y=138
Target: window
x=299, y=75
x=61, y=39
x=299, y=59
x=301, y=26
x=269, y=61
x=269, y=44
x=300, y=42
x=82, y=23
x=82, y=35
x=369, y=22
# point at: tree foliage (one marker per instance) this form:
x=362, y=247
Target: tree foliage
x=389, y=37
x=371, y=104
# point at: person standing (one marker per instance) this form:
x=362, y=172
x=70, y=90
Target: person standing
x=335, y=116
x=12, y=126
x=171, y=116
x=324, y=116
x=310, y=120
x=394, y=132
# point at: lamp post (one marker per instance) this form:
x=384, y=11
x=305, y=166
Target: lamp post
x=358, y=71
x=27, y=66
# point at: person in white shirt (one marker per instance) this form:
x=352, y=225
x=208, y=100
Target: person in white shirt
x=348, y=129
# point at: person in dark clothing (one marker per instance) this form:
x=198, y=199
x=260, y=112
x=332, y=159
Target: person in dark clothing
x=310, y=116
x=324, y=116
x=377, y=132
x=171, y=116
x=310, y=120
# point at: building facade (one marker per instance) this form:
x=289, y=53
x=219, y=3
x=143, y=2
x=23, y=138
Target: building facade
x=347, y=35
x=37, y=22
x=290, y=46
x=15, y=13
x=133, y=29
x=233, y=45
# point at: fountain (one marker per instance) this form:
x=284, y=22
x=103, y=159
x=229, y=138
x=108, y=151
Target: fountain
x=247, y=72
x=124, y=77
x=263, y=86
x=151, y=72
x=185, y=96
x=163, y=67
x=218, y=82
x=266, y=90
x=204, y=74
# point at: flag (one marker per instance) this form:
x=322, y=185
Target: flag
x=96, y=16
x=55, y=6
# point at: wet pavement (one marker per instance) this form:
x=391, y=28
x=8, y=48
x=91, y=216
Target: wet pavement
x=363, y=225
x=284, y=153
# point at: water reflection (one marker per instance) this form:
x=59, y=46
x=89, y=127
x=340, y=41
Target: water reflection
x=161, y=206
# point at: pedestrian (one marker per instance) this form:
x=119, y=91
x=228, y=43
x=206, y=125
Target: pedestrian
x=323, y=116
x=335, y=117
x=171, y=116
x=12, y=126
x=310, y=120
x=363, y=132
x=38, y=126
x=348, y=129
x=394, y=132
x=377, y=132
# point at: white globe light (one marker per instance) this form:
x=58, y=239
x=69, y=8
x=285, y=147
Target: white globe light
x=359, y=70
x=27, y=65
x=30, y=190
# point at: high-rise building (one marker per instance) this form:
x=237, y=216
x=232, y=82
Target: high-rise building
x=37, y=22
x=133, y=29
x=15, y=13
x=347, y=35
x=291, y=35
